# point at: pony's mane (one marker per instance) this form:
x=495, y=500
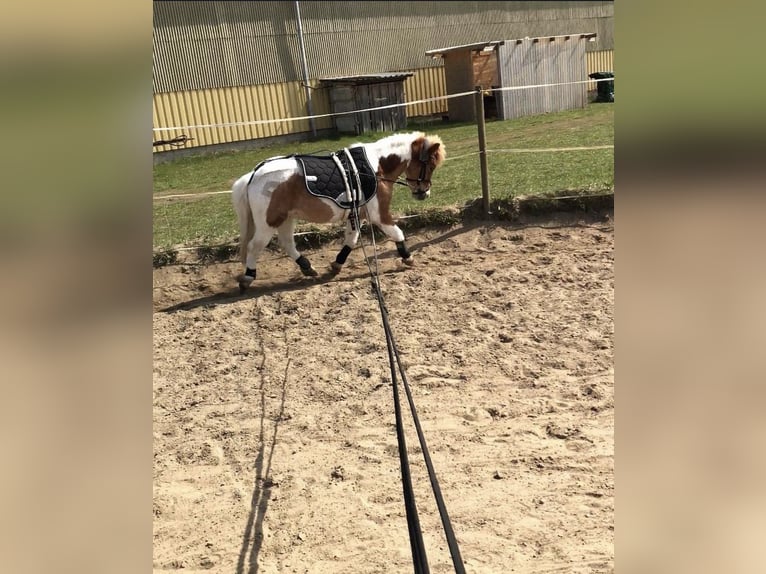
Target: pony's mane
x=401, y=143
x=441, y=153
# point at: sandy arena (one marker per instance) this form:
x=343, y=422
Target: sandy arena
x=274, y=441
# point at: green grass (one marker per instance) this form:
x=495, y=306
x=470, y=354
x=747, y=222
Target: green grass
x=211, y=220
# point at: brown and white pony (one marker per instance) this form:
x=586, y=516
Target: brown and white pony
x=271, y=198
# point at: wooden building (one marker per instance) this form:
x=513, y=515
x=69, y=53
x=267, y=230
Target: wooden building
x=515, y=63
x=348, y=93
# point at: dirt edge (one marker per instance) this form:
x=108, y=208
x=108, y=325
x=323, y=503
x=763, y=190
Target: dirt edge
x=520, y=209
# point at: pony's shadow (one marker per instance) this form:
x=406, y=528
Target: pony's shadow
x=263, y=482
x=268, y=288
x=254, y=292
x=252, y=538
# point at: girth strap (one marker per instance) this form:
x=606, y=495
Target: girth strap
x=356, y=184
x=350, y=196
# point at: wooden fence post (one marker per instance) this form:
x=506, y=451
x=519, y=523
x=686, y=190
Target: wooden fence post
x=479, y=99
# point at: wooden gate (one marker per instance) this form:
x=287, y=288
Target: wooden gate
x=365, y=92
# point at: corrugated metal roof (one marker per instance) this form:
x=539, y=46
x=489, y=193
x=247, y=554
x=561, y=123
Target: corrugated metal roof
x=367, y=78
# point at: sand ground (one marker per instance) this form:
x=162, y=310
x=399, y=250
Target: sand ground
x=274, y=441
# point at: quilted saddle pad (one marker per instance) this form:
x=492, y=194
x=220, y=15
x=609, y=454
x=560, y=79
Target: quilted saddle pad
x=324, y=178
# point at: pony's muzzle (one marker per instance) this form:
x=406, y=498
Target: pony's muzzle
x=420, y=195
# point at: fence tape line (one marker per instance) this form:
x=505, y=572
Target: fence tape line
x=464, y=155
x=388, y=107
x=549, y=149
x=261, y=122
x=512, y=88
x=519, y=150
x=187, y=195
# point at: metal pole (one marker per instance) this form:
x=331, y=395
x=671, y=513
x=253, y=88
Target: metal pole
x=305, y=71
x=479, y=99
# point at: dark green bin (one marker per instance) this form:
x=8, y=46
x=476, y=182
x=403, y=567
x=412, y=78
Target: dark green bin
x=605, y=90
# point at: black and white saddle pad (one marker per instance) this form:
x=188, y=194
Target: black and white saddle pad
x=325, y=178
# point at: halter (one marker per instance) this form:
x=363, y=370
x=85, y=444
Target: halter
x=423, y=166
x=423, y=158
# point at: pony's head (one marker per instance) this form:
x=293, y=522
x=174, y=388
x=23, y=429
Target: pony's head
x=427, y=153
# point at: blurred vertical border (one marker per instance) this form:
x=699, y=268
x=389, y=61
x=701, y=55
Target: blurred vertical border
x=690, y=323
x=75, y=287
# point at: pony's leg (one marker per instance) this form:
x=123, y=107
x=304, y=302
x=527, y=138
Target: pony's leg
x=352, y=236
x=261, y=238
x=383, y=220
x=394, y=233
x=287, y=241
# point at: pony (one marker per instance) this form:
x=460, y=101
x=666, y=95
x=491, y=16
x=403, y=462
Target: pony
x=280, y=190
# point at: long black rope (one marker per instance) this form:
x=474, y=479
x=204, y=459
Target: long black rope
x=454, y=549
x=417, y=546
x=419, y=558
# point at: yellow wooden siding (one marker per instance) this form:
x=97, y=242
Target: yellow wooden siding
x=426, y=83
x=602, y=61
x=266, y=102
x=232, y=105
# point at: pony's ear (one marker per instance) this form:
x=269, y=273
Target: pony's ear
x=436, y=151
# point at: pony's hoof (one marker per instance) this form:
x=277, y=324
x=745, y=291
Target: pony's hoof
x=409, y=262
x=309, y=272
x=335, y=267
x=244, y=282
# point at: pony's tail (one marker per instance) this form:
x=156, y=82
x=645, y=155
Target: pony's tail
x=244, y=215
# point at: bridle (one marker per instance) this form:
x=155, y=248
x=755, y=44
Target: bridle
x=423, y=158
x=423, y=167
